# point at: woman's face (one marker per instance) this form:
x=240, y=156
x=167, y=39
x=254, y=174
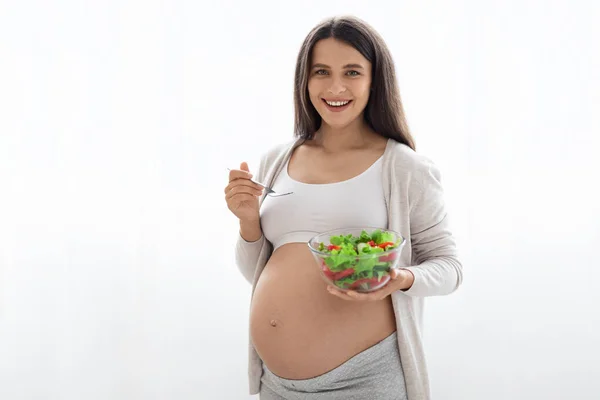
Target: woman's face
x=339, y=82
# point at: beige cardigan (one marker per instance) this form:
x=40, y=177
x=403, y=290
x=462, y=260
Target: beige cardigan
x=415, y=204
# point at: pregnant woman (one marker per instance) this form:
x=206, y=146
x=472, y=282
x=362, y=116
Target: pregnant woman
x=352, y=163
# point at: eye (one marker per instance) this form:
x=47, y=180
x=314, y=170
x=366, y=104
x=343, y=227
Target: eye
x=320, y=72
x=353, y=73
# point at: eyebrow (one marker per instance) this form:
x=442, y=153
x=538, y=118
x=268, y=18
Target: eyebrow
x=345, y=66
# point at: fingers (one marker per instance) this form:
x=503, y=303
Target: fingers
x=339, y=293
x=364, y=296
x=247, y=192
x=239, y=174
x=242, y=182
x=355, y=296
x=244, y=166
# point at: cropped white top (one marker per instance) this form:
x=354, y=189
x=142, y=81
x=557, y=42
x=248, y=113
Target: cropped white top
x=316, y=208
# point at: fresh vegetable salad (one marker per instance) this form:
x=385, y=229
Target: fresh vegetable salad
x=352, y=262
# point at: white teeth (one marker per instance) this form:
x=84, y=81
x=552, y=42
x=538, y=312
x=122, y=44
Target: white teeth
x=337, y=103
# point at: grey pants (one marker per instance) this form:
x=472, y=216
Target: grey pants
x=375, y=373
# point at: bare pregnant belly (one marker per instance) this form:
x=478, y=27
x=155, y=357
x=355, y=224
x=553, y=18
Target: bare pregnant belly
x=299, y=329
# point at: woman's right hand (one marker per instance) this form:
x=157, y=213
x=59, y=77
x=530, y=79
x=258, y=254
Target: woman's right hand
x=241, y=194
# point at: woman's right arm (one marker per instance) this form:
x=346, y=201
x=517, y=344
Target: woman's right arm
x=242, y=196
x=251, y=244
x=247, y=249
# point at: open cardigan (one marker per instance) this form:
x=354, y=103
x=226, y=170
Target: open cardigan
x=415, y=205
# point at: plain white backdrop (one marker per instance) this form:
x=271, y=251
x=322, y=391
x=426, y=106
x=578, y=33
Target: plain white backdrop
x=119, y=119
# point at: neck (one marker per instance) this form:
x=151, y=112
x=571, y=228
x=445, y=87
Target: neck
x=336, y=139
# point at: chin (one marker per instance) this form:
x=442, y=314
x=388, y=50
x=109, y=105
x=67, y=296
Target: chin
x=338, y=123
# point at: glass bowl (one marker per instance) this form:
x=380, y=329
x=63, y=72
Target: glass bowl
x=352, y=262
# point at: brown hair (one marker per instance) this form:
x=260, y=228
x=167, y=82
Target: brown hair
x=384, y=112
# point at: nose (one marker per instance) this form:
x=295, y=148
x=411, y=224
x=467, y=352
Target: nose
x=336, y=87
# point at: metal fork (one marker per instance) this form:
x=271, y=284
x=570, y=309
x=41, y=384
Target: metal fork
x=270, y=191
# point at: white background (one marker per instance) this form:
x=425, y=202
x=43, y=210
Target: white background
x=118, y=120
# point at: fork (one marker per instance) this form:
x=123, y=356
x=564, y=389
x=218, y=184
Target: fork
x=270, y=191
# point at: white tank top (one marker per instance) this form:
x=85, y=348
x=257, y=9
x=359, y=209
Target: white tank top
x=316, y=208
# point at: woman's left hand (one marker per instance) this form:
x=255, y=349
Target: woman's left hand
x=401, y=279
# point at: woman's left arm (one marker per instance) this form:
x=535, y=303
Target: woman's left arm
x=436, y=268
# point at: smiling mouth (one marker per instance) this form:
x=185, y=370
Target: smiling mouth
x=337, y=104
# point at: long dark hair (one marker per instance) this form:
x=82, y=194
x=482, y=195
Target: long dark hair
x=384, y=112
